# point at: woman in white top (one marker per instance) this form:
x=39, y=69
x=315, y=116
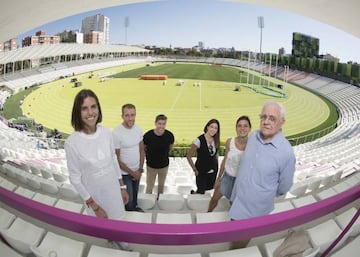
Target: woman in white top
x=234, y=149
x=91, y=160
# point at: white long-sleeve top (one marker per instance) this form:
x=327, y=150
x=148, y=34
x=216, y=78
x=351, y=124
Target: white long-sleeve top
x=94, y=170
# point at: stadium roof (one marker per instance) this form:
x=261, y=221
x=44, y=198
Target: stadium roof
x=39, y=51
x=18, y=16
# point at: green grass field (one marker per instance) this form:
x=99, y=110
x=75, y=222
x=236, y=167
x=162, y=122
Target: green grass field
x=188, y=107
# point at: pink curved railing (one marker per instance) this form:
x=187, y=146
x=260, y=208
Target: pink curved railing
x=177, y=234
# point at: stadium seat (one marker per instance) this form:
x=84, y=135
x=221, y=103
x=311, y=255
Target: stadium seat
x=326, y=193
x=341, y=187
x=11, y=172
x=171, y=202
x=324, y=234
x=302, y=201
x=198, y=202
x=6, y=218
x=67, y=191
x=210, y=217
x=270, y=247
x=141, y=217
x=45, y=199
x=352, y=181
x=327, y=180
x=296, y=191
x=49, y=186
x=6, y=251
x=251, y=251
x=22, y=176
x=35, y=170
x=8, y=185
x=174, y=255
x=344, y=218
x=223, y=205
x=282, y=206
x=173, y=218
x=97, y=251
x=349, y=250
x=46, y=173
x=69, y=206
x=21, y=235
x=59, y=177
x=337, y=176
x=34, y=182
x=25, y=192
x=146, y=201
x=183, y=189
x=314, y=185
x=59, y=246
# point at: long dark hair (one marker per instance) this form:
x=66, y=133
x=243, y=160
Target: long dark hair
x=217, y=135
x=76, y=120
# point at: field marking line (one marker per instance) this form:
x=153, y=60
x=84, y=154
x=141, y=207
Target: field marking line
x=177, y=98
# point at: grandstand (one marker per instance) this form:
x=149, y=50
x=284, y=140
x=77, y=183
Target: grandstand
x=50, y=62
x=326, y=169
x=41, y=214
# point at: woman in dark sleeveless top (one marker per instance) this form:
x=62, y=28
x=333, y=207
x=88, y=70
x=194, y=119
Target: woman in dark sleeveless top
x=206, y=147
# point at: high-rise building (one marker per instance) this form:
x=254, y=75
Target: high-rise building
x=96, y=26
x=281, y=51
x=71, y=36
x=9, y=45
x=201, y=45
x=40, y=38
x=304, y=45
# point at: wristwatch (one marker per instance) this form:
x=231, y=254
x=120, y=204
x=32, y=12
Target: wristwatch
x=123, y=187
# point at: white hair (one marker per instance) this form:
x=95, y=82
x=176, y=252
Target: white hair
x=279, y=105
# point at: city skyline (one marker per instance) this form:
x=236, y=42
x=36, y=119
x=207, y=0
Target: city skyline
x=219, y=24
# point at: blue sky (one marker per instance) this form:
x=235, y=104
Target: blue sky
x=183, y=23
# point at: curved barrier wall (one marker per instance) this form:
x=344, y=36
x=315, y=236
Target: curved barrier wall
x=177, y=234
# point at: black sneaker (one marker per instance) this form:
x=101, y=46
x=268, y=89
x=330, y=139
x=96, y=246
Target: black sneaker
x=192, y=192
x=138, y=209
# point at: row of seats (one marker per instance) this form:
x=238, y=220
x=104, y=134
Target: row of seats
x=175, y=202
x=27, y=238
x=39, y=184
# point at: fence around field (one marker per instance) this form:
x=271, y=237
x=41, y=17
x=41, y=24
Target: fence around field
x=311, y=136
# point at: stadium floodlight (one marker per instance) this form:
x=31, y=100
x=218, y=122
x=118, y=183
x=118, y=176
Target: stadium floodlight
x=126, y=25
x=261, y=26
x=286, y=73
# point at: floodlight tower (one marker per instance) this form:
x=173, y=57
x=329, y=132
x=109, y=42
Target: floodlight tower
x=126, y=25
x=261, y=26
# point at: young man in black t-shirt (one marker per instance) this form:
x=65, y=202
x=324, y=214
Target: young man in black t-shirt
x=158, y=143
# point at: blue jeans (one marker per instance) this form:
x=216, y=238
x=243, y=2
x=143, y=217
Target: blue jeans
x=227, y=185
x=132, y=187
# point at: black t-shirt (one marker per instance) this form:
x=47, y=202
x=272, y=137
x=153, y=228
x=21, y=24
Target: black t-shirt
x=157, y=148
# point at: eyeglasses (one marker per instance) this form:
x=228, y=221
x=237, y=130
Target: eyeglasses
x=264, y=117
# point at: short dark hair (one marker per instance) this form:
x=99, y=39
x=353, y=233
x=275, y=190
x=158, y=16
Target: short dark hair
x=76, y=120
x=160, y=117
x=127, y=106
